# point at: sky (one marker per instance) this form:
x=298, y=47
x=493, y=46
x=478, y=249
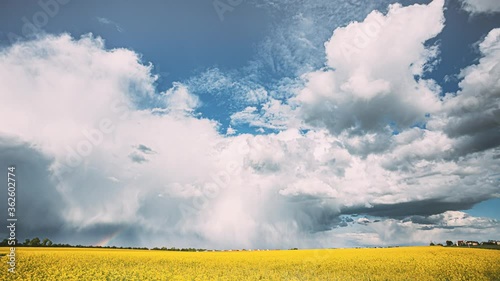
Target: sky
x=252, y=123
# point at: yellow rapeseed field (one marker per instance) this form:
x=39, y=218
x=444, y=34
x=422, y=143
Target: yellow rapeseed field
x=408, y=263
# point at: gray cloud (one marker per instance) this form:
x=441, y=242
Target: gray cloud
x=137, y=158
x=145, y=149
x=422, y=208
x=473, y=113
x=39, y=205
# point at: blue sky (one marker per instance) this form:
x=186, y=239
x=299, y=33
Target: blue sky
x=267, y=74
x=185, y=38
x=180, y=37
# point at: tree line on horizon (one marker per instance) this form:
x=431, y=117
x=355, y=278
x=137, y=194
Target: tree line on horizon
x=37, y=242
x=460, y=243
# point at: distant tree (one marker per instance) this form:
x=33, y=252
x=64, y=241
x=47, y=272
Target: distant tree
x=449, y=243
x=46, y=242
x=35, y=242
x=26, y=242
x=5, y=242
x=432, y=244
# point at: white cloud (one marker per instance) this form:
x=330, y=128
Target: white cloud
x=370, y=80
x=180, y=101
x=294, y=46
x=274, y=114
x=110, y=22
x=228, y=87
x=481, y=6
x=230, y=131
x=461, y=219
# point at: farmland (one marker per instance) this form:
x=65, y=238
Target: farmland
x=406, y=263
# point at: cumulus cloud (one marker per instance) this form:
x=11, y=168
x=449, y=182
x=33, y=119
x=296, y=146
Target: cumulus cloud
x=180, y=101
x=373, y=69
x=81, y=106
x=473, y=114
x=481, y=6
x=295, y=45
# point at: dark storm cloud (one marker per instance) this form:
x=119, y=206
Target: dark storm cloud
x=421, y=220
x=470, y=125
x=479, y=142
x=314, y=215
x=427, y=228
x=161, y=209
x=474, y=113
x=39, y=206
x=106, y=234
x=421, y=208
